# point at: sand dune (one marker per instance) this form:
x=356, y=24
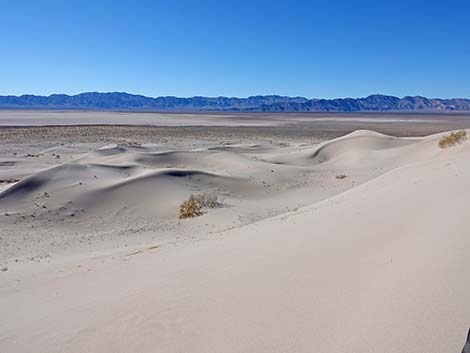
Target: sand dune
x=140, y=180
x=297, y=260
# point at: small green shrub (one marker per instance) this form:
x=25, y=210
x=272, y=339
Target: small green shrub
x=453, y=138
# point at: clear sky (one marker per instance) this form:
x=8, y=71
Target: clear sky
x=318, y=49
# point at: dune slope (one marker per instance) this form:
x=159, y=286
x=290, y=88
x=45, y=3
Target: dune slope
x=381, y=267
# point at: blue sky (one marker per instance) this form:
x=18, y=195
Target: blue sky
x=319, y=49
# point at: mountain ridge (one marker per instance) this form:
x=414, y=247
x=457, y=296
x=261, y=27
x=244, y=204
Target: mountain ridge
x=259, y=103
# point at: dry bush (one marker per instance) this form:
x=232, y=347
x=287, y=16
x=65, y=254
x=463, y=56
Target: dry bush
x=208, y=200
x=190, y=208
x=194, y=206
x=341, y=176
x=453, y=138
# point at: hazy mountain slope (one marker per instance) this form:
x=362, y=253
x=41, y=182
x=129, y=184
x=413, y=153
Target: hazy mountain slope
x=271, y=103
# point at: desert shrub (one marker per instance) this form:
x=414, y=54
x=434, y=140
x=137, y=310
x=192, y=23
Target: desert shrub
x=208, y=200
x=341, y=176
x=190, y=208
x=453, y=138
x=194, y=206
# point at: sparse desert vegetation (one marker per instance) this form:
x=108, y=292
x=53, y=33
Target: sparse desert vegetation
x=195, y=205
x=453, y=138
x=190, y=208
x=341, y=176
x=208, y=200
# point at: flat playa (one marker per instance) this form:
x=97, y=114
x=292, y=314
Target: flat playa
x=335, y=233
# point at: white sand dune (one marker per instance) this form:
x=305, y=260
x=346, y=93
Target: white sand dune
x=377, y=262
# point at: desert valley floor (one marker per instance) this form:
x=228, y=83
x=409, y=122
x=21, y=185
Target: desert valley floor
x=334, y=233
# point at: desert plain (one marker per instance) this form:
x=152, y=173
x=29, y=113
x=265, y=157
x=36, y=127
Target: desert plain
x=332, y=233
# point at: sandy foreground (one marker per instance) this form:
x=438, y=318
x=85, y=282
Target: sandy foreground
x=357, y=243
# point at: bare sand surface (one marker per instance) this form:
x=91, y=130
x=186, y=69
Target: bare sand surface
x=327, y=239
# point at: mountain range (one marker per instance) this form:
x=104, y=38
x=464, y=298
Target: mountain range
x=268, y=103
